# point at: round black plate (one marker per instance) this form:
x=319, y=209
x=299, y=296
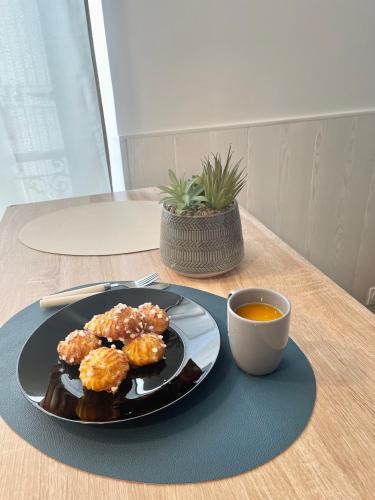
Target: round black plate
x=193, y=343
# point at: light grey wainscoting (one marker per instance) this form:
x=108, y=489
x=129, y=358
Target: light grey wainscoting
x=312, y=182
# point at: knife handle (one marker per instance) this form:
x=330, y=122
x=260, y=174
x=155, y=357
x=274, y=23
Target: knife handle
x=56, y=300
x=78, y=291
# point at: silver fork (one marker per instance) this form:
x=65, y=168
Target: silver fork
x=72, y=296
x=142, y=282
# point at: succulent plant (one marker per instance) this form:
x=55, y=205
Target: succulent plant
x=221, y=183
x=182, y=194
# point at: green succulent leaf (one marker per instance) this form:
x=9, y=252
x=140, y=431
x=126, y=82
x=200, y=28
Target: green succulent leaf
x=217, y=187
x=221, y=182
x=182, y=194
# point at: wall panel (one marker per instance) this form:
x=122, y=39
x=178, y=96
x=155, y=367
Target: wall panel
x=312, y=182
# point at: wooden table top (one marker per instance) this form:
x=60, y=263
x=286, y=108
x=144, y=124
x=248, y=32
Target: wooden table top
x=333, y=458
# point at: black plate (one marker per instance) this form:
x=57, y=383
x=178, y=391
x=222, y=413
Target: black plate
x=193, y=343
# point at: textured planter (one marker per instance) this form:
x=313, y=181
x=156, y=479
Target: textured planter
x=201, y=247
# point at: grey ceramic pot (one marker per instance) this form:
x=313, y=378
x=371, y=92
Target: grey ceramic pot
x=201, y=247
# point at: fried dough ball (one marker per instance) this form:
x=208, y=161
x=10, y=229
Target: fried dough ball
x=145, y=350
x=104, y=369
x=156, y=319
x=76, y=346
x=122, y=323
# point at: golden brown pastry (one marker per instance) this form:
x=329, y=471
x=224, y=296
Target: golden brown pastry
x=156, y=319
x=76, y=346
x=145, y=350
x=122, y=323
x=104, y=369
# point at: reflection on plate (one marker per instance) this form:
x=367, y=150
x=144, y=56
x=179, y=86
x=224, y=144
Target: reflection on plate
x=192, y=345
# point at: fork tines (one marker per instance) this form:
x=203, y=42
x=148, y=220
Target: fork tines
x=147, y=280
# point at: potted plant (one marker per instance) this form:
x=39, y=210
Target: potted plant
x=201, y=233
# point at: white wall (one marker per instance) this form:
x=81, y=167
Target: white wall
x=179, y=64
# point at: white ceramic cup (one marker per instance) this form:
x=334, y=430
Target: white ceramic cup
x=257, y=346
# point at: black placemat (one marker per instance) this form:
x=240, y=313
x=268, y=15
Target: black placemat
x=230, y=424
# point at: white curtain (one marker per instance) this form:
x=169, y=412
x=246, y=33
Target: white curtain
x=51, y=137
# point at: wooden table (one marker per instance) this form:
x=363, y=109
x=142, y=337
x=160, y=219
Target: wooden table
x=334, y=457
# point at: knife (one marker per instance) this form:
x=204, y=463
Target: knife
x=71, y=296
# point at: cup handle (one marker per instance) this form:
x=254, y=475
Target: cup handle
x=232, y=292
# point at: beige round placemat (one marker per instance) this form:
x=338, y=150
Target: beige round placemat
x=106, y=228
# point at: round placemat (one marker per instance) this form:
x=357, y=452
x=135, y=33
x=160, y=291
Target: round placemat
x=230, y=424
x=106, y=228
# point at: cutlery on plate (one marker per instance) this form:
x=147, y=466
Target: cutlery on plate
x=71, y=296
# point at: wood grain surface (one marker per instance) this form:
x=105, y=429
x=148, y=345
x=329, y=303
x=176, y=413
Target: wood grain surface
x=333, y=458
